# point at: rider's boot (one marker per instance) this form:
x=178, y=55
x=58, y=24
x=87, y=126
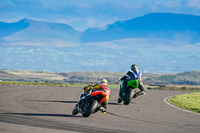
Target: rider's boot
x=142, y=92
x=103, y=110
x=139, y=93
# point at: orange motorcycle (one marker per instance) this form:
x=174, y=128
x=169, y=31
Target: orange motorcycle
x=90, y=102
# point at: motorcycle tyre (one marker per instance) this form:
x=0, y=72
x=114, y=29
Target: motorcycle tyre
x=129, y=96
x=120, y=100
x=75, y=111
x=92, y=107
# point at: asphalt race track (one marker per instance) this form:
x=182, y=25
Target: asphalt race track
x=45, y=109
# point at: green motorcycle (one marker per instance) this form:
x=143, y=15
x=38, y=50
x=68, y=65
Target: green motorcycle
x=130, y=93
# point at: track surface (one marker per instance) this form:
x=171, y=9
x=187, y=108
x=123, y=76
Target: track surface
x=44, y=109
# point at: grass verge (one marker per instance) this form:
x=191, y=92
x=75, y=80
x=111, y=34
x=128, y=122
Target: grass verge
x=187, y=101
x=81, y=85
x=194, y=88
x=30, y=83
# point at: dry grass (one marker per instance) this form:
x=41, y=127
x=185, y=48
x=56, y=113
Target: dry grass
x=174, y=87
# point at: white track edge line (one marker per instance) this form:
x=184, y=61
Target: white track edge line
x=165, y=100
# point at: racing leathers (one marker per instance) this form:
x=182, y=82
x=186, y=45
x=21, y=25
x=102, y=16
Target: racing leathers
x=98, y=87
x=103, y=87
x=132, y=75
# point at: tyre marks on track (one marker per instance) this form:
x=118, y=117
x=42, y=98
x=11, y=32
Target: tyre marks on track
x=26, y=119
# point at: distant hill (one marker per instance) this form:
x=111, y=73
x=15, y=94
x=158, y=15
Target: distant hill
x=185, y=78
x=36, y=33
x=7, y=29
x=178, y=27
x=188, y=78
x=157, y=42
x=170, y=26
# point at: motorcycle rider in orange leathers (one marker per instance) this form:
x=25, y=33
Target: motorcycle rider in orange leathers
x=102, y=86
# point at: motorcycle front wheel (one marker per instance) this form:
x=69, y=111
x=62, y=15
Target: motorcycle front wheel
x=75, y=111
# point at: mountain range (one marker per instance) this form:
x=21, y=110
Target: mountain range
x=177, y=27
x=36, y=33
x=90, y=77
x=157, y=42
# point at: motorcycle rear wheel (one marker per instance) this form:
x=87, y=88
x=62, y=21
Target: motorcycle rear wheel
x=129, y=96
x=92, y=107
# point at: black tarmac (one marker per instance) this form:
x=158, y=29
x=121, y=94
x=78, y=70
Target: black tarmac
x=46, y=109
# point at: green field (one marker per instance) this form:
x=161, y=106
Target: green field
x=195, y=88
x=30, y=83
x=186, y=79
x=187, y=101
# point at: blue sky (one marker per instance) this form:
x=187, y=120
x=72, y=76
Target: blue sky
x=83, y=14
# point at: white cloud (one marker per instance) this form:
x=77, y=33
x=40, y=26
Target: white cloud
x=83, y=14
x=83, y=6
x=194, y=4
x=171, y=4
